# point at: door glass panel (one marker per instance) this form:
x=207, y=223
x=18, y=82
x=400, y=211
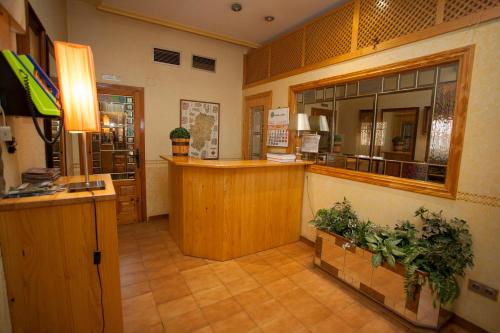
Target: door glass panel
x=257, y=124
x=114, y=148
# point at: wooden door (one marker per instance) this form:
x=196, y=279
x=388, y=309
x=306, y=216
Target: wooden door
x=256, y=110
x=119, y=148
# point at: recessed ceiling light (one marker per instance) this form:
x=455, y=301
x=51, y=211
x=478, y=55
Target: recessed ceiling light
x=269, y=18
x=236, y=7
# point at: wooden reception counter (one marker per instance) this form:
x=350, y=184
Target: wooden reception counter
x=227, y=209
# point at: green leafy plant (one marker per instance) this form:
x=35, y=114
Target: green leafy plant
x=444, y=251
x=337, y=138
x=384, y=246
x=407, y=232
x=340, y=219
x=436, y=254
x=179, y=133
x=360, y=232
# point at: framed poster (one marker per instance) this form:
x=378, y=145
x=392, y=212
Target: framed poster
x=201, y=119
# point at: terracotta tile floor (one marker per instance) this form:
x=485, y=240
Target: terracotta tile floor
x=278, y=290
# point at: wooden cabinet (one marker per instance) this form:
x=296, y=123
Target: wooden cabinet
x=48, y=245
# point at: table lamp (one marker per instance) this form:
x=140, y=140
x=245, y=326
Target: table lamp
x=319, y=123
x=301, y=123
x=77, y=85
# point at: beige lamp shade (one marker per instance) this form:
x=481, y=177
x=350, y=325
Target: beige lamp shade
x=300, y=122
x=319, y=123
x=76, y=75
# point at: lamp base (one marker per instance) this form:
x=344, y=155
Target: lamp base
x=90, y=186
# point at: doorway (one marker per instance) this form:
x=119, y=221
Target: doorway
x=119, y=148
x=255, y=114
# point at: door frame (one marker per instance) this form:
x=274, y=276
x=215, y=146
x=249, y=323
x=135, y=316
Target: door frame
x=265, y=99
x=138, y=93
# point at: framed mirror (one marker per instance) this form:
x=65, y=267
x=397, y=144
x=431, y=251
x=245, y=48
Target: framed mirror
x=399, y=126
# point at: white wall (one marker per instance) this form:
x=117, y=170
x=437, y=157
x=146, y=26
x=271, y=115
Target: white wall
x=123, y=47
x=479, y=190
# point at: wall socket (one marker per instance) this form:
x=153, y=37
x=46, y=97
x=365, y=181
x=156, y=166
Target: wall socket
x=483, y=290
x=5, y=133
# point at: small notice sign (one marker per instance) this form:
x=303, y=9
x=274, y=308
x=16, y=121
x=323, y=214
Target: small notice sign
x=277, y=127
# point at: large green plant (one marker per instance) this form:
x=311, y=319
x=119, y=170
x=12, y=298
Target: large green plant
x=444, y=251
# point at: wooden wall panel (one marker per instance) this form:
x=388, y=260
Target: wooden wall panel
x=257, y=64
x=329, y=36
x=382, y=21
x=286, y=53
x=455, y=9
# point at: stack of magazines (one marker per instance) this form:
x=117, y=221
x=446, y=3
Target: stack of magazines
x=283, y=158
x=40, y=175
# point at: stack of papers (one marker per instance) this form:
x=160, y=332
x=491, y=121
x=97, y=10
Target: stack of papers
x=283, y=158
x=40, y=175
x=29, y=190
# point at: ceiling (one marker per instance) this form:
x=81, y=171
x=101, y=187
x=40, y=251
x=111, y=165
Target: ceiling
x=216, y=16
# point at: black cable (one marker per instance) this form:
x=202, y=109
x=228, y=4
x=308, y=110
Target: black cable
x=97, y=260
x=31, y=107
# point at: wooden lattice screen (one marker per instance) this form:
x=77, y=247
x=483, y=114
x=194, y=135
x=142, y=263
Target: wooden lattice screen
x=257, y=64
x=286, y=53
x=330, y=36
x=454, y=9
x=354, y=29
x=384, y=20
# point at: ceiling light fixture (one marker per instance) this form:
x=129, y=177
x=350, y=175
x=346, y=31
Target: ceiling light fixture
x=236, y=7
x=269, y=18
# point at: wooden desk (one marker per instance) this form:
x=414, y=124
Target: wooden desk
x=47, y=246
x=226, y=209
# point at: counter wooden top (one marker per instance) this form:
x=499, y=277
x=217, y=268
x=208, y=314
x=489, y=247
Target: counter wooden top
x=62, y=198
x=228, y=164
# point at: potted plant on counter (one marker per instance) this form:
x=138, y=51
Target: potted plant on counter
x=398, y=143
x=180, y=141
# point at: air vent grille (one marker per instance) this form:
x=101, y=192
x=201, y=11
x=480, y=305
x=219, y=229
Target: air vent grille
x=166, y=56
x=203, y=63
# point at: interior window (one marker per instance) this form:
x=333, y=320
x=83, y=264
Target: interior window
x=398, y=125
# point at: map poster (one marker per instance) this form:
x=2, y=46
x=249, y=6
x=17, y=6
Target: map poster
x=201, y=119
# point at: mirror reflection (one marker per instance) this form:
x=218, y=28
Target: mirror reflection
x=398, y=125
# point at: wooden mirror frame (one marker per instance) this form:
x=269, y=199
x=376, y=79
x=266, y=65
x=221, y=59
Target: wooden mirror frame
x=464, y=56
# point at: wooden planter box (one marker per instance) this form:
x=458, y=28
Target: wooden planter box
x=384, y=284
